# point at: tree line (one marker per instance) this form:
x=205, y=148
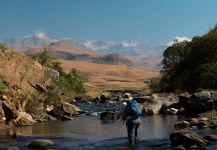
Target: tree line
x=188, y=66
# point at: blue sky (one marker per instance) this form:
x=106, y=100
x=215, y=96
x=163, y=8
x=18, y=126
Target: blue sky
x=150, y=21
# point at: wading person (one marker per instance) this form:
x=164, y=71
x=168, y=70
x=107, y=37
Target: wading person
x=131, y=114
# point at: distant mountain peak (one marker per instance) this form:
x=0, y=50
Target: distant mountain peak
x=144, y=54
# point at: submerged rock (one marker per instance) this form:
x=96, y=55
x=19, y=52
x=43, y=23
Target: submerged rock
x=44, y=144
x=211, y=137
x=188, y=139
x=13, y=148
x=182, y=124
x=107, y=115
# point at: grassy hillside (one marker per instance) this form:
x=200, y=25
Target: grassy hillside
x=111, y=76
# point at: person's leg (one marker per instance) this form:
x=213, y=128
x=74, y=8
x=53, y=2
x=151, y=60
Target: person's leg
x=136, y=132
x=130, y=128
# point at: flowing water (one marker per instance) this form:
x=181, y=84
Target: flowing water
x=89, y=132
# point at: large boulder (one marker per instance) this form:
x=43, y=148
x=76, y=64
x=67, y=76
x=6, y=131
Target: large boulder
x=188, y=139
x=41, y=144
x=65, y=111
x=24, y=119
x=199, y=102
x=155, y=103
x=10, y=111
x=71, y=109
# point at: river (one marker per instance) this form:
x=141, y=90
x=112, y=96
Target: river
x=89, y=132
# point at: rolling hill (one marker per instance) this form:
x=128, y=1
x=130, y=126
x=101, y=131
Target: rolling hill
x=111, y=76
x=67, y=51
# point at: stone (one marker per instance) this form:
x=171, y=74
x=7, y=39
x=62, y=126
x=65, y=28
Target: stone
x=182, y=124
x=154, y=104
x=41, y=143
x=187, y=139
x=194, y=147
x=24, y=119
x=211, y=137
x=179, y=147
x=103, y=98
x=4, y=97
x=40, y=87
x=193, y=121
x=71, y=109
x=107, y=115
x=13, y=148
x=171, y=111
x=199, y=102
x=10, y=111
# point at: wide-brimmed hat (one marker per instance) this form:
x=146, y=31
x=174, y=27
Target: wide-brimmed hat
x=127, y=97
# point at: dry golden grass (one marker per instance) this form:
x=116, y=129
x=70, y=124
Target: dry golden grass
x=19, y=70
x=111, y=76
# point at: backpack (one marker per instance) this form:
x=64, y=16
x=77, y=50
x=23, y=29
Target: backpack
x=136, y=108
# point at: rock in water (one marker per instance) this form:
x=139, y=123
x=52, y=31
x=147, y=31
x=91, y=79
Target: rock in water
x=107, y=115
x=188, y=139
x=13, y=148
x=211, y=137
x=44, y=144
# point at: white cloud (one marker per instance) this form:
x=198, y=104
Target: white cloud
x=89, y=44
x=178, y=40
x=129, y=43
x=42, y=35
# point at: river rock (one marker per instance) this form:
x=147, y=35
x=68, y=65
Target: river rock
x=71, y=109
x=24, y=119
x=171, y=111
x=193, y=121
x=10, y=111
x=107, y=115
x=182, y=124
x=179, y=147
x=13, y=148
x=188, y=139
x=153, y=105
x=44, y=144
x=211, y=137
x=103, y=98
x=199, y=102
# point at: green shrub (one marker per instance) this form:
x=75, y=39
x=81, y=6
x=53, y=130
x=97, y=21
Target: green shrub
x=2, y=84
x=43, y=56
x=155, y=84
x=3, y=47
x=71, y=82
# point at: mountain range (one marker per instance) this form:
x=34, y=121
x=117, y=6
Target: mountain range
x=143, y=54
x=67, y=51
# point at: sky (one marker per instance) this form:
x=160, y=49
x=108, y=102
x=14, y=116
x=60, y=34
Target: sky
x=150, y=21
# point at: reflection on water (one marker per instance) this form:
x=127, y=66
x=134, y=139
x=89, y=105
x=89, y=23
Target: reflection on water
x=89, y=132
x=91, y=128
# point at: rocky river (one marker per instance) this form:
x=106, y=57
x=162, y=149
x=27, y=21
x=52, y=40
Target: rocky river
x=89, y=132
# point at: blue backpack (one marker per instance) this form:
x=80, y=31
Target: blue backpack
x=136, y=108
